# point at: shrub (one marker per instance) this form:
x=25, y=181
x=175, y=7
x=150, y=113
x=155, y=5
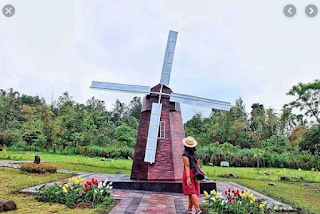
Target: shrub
x=20, y=146
x=77, y=191
x=38, y=168
x=311, y=140
x=235, y=202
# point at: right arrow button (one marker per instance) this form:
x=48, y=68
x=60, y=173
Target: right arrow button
x=311, y=10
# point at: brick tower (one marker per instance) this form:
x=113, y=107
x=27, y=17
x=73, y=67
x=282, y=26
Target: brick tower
x=168, y=164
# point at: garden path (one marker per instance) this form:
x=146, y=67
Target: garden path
x=138, y=202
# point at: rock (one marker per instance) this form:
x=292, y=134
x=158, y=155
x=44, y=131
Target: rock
x=228, y=176
x=307, y=184
x=7, y=206
x=37, y=159
x=224, y=163
x=284, y=178
x=1, y=149
x=272, y=184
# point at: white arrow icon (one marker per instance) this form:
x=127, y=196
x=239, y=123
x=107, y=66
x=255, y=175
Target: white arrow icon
x=311, y=10
x=290, y=10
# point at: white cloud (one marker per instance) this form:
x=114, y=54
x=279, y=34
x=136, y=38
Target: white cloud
x=225, y=49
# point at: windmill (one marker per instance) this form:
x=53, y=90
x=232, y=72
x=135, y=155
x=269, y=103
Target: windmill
x=159, y=148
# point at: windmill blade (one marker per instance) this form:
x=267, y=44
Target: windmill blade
x=120, y=87
x=198, y=101
x=168, y=57
x=153, y=131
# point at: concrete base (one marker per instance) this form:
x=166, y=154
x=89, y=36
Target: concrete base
x=124, y=182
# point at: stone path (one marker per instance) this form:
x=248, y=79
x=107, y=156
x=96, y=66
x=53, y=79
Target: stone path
x=143, y=202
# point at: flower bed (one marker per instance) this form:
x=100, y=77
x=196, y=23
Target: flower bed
x=38, y=168
x=235, y=202
x=77, y=192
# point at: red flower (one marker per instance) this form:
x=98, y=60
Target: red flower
x=226, y=192
x=95, y=182
x=232, y=191
x=259, y=200
x=229, y=190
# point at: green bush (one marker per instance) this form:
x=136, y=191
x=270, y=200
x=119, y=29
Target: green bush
x=215, y=153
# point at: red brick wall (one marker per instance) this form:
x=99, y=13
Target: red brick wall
x=139, y=167
x=177, y=134
x=163, y=168
x=168, y=162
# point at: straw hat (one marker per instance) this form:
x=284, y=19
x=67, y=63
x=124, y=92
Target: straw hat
x=189, y=142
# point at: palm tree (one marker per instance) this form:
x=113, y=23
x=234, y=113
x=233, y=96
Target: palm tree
x=13, y=94
x=287, y=120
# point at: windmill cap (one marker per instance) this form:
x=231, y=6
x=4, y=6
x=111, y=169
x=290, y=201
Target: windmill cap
x=189, y=142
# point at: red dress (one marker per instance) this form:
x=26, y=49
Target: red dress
x=194, y=187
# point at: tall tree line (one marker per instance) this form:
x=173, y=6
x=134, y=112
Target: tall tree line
x=30, y=120
x=263, y=127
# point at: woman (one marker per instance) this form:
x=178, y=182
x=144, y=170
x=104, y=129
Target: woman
x=190, y=186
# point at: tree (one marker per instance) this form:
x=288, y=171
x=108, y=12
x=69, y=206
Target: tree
x=125, y=134
x=287, y=121
x=275, y=143
x=119, y=111
x=135, y=107
x=271, y=124
x=311, y=140
x=307, y=99
x=32, y=101
x=296, y=135
x=257, y=121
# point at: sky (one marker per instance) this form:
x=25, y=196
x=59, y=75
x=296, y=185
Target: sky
x=225, y=49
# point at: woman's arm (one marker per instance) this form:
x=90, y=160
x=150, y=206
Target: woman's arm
x=187, y=168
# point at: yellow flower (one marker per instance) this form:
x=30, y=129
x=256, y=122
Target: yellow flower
x=70, y=180
x=217, y=196
x=206, y=194
x=253, y=199
x=76, y=181
x=251, y=202
x=64, y=190
x=71, y=187
x=66, y=186
x=262, y=205
x=213, y=192
x=212, y=198
x=251, y=196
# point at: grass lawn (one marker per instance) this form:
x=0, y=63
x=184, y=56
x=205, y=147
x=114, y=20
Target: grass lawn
x=303, y=194
x=73, y=162
x=12, y=180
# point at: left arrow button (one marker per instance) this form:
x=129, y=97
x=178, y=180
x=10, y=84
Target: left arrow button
x=289, y=10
